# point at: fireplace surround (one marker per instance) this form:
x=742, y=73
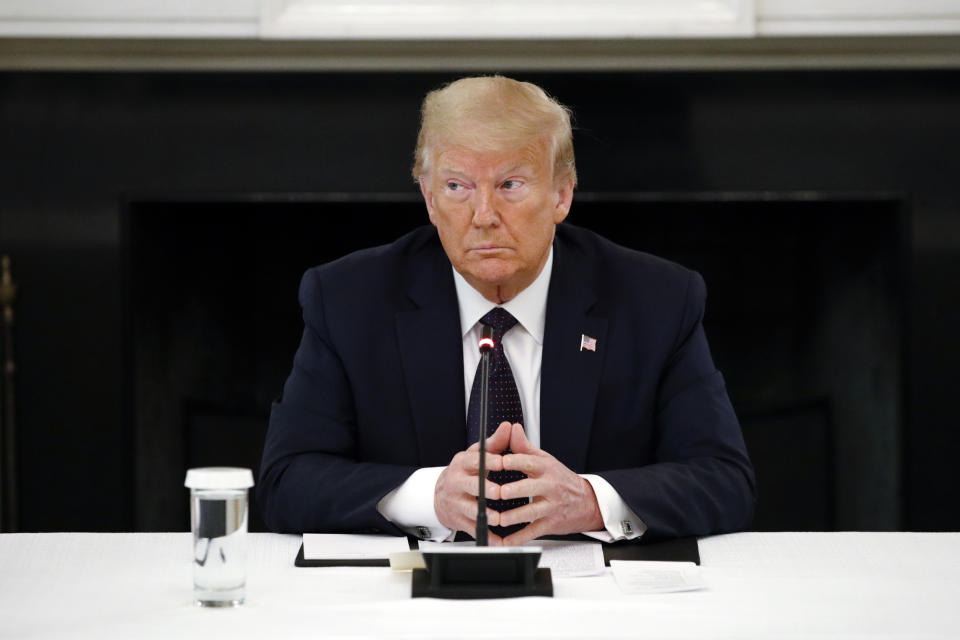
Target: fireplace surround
x=805, y=317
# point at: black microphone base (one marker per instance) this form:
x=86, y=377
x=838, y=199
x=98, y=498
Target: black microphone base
x=422, y=588
x=476, y=574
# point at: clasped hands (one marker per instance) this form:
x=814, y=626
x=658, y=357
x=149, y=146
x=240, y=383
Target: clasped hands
x=562, y=502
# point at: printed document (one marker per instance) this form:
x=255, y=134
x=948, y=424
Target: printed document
x=638, y=576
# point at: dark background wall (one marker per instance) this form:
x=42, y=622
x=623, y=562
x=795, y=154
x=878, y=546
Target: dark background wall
x=805, y=320
x=74, y=144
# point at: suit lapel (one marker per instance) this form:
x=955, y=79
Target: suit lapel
x=570, y=377
x=431, y=354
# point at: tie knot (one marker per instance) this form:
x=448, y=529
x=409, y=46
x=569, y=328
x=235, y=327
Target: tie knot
x=501, y=321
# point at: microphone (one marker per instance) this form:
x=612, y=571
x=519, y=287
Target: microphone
x=474, y=572
x=486, y=345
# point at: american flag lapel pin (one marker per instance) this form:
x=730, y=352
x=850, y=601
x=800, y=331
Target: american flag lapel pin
x=588, y=343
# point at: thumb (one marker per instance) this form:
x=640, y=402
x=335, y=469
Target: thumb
x=518, y=440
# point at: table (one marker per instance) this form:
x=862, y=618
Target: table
x=761, y=585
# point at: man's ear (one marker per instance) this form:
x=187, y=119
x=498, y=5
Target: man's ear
x=564, y=195
x=427, y=194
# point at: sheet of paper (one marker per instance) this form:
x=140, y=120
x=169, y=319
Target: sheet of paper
x=637, y=576
x=338, y=546
x=571, y=559
x=565, y=559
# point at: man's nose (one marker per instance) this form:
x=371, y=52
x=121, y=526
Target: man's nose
x=484, y=208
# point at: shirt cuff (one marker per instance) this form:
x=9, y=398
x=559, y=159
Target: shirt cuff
x=620, y=521
x=410, y=506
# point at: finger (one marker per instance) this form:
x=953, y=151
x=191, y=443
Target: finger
x=530, y=532
x=518, y=440
x=529, y=464
x=525, y=488
x=493, y=518
x=494, y=462
x=470, y=512
x=469, y=526
x=455, y=512
x=530, y=512
x=471, y=462
x=470, y=486
x=469, y=516
x=492, y=490
x=468, y=461
x=455, y=508
x=467, y=482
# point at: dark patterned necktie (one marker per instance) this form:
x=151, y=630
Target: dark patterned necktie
x=504, y=405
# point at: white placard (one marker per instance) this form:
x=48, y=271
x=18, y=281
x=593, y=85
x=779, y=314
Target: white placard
x=336, y=546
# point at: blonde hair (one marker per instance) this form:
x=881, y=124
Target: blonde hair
x=494, y=113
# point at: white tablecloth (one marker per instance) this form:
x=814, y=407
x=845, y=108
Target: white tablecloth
x=761, y=585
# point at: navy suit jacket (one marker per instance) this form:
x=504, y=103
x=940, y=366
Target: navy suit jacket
x=376, y=389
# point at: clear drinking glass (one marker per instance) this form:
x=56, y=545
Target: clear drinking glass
x=218, y=519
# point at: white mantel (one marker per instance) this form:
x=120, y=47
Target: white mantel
x=492, y=34
x=505, y=19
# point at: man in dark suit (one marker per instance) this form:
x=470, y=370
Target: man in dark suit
x=626, y=427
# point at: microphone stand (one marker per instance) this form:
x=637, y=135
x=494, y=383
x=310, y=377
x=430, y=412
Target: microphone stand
x=486, y=346
x=482, y=572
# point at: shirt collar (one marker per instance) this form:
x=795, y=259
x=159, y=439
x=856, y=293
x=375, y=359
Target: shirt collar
x=529, y=306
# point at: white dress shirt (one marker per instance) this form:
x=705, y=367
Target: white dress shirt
x=410, y=506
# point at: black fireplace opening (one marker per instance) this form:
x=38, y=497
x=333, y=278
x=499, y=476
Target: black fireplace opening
x=806, y=317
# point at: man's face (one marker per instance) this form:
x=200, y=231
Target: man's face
x=495, y=214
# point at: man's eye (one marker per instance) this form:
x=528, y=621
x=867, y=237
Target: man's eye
x=453, y=186
x=512, y=184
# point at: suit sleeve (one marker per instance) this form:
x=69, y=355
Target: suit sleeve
x=701, y=481
x=310, y=476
